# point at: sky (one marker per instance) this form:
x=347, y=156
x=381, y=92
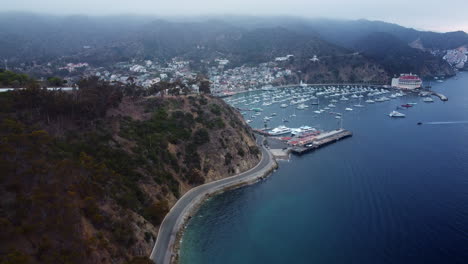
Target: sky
x=448, y=15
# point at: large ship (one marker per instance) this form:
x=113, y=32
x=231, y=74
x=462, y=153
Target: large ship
x=407, y=81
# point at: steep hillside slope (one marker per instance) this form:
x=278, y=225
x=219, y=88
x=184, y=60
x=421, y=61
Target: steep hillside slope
x=88, y=176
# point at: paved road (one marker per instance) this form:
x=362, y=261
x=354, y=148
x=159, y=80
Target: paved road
x=162, y=250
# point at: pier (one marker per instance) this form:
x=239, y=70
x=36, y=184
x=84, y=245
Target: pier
x=441, y=96
x=321, y=140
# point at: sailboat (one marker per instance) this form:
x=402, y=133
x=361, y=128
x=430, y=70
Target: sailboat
x=359, y=104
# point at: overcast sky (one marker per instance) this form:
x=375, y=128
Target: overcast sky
x=448, y=15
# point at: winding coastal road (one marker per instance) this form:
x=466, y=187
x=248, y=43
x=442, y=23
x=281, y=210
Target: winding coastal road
x=163, y=248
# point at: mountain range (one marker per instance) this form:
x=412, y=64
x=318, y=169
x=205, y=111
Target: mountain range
x=243, y=40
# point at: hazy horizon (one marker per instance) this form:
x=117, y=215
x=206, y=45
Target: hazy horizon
x=416, y=14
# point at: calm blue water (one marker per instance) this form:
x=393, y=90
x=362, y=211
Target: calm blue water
x=395, y=192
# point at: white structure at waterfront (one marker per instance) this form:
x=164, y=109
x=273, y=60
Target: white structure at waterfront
x=407, y=81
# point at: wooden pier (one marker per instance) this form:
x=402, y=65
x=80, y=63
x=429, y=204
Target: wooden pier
x=322, y=140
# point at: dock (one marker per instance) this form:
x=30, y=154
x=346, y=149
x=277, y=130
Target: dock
x=441, y=96
x=321, y=140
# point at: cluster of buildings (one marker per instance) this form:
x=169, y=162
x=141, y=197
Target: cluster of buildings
x=224, y=78
x=71, y=67
x=457, y=57
x=245, y=77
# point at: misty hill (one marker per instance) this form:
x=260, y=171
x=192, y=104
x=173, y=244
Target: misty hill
x=101, y=41
x=397, y=56
x=347, y=32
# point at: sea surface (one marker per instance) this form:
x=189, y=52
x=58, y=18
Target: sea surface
x=395, y=192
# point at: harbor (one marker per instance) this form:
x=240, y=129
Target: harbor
x=372, y=190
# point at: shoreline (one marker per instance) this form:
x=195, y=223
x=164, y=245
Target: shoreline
x=167, y=245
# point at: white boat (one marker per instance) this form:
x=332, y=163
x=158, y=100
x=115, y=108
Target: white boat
x=281, y=130
x=283, y=105
x=344, y=98
x=396, y=114
x=428, y=99
x=317, y=112
x=333, y=101
x=302, y=106
x=348, y=109
x=369, y=101
x=331, y=105
x=302, y=130
x=248, y=121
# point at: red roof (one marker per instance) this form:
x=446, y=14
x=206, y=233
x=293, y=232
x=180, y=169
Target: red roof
x=410, y=77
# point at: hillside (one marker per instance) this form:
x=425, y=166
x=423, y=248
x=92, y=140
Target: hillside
x=397, y=57
x=88, y=176
x=28, y=40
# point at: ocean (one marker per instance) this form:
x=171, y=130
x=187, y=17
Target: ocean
x=394, y=192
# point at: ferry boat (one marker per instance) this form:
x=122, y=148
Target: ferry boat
x=407, y=81
x=281, y=130
x=396, y=114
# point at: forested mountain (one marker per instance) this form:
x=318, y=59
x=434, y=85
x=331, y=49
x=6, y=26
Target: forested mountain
x=397, y=56
x=100, y=41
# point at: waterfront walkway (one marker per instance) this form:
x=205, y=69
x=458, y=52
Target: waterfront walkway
x=163, y=250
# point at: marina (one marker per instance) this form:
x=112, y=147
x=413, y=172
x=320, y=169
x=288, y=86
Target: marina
x=327, y=105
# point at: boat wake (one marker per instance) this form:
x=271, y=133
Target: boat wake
x=445, y=123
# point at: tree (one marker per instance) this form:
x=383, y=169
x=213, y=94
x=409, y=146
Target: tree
x=55, y=81
x=205, y=86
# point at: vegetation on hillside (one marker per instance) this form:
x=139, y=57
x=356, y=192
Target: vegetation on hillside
x=12, y=79
x=87, y=176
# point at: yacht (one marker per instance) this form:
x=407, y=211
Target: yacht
x=302, y=106
x=348, y=109
x=428, y=99
x=343, y=98
x=281, y=130
x=331, y=105
x=302, y=130
x=317, y=112
x=369, y=101
x=333, y=101
x=396, y=114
